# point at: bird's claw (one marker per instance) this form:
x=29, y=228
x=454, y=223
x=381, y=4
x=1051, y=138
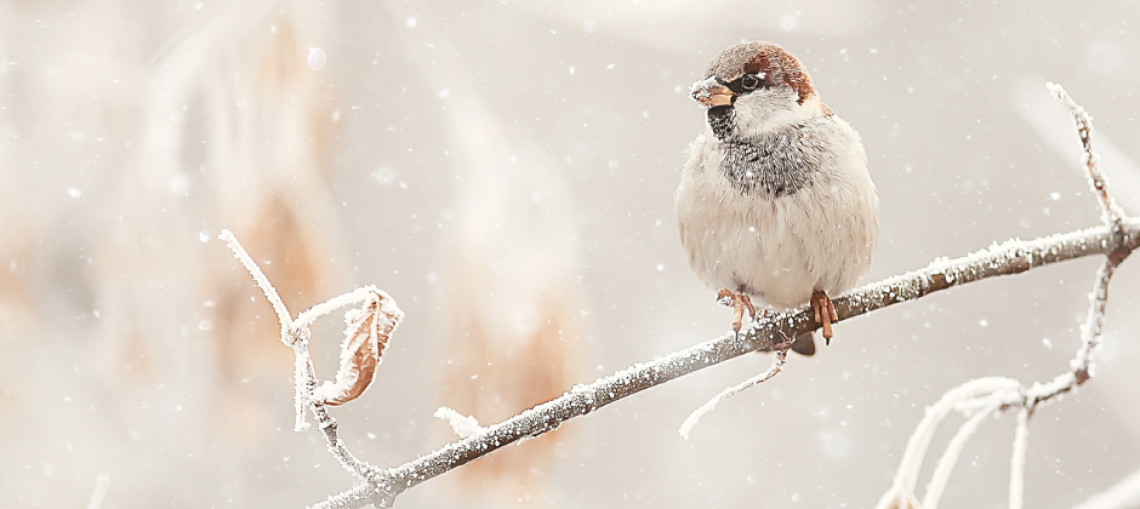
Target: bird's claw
x=739, y=302
x=824, y=313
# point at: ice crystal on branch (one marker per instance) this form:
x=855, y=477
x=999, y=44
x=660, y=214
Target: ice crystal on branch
x=463, y=425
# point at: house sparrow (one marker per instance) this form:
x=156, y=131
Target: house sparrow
x=775, y=200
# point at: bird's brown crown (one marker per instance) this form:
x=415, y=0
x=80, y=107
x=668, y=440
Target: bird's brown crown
x=776, y=65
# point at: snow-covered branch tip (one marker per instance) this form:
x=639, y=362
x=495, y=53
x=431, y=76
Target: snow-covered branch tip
x=1097, y=181
x=1123, y=495
x=463, y=425
x=283, y=316
x=995, y=394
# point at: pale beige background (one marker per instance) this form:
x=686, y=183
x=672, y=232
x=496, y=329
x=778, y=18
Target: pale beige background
x=549, y=134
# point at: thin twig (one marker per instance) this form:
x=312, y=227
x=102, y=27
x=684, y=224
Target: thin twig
x=102, y=483
x=1094, y=324
x=778, y=361
x=283, y=316
x=1112, y=212
x=308, y=316
x=953, y=452
x=326, y=423
x=1123, y=495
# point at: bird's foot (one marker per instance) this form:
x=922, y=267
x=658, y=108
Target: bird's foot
x=739, y=302
x=824, y=311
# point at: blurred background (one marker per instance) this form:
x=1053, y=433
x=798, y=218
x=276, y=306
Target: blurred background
x=505, y=170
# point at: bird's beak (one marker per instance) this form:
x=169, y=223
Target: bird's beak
x=710, y=93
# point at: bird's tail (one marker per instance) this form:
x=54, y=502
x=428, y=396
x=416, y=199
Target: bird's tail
x=804, y=344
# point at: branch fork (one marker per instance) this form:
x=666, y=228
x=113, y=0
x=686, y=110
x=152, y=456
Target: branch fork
x=993, y=395
x=367, y=331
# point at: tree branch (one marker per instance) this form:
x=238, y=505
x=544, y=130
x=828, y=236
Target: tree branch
x=1010, y=257
x=1118, y=237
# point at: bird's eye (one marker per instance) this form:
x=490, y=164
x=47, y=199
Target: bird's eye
x=749, y=81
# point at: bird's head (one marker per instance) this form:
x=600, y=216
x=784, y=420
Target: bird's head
x=754, y=87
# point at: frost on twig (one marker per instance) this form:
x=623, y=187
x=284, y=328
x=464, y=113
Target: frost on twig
x=289, y=334
x=462, y=425
x=778, y=361
x=949, y=459
x=1094, y=323
x=100, y=492
x=270, y=292
x=1017, y=460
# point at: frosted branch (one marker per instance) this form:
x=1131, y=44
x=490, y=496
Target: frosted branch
x=906, y=478
x=1010, y=257
x=1117, y=245
x=778, y=361
x=326, y=423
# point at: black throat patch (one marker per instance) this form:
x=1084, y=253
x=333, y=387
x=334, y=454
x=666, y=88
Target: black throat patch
x=778, y=163
x=721, y=122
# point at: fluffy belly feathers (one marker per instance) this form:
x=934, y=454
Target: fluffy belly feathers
x=780, y=248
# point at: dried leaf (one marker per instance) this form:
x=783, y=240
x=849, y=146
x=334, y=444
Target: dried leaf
x=365, y=337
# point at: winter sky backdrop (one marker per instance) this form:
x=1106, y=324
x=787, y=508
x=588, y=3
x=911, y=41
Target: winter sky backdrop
x=505, y=170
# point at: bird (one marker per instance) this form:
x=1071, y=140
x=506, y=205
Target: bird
x=776, y=200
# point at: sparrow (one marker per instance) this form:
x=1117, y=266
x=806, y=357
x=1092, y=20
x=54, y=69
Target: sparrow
x=775, y=201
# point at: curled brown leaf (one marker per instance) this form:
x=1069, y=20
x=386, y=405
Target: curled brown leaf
x=365, y=337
